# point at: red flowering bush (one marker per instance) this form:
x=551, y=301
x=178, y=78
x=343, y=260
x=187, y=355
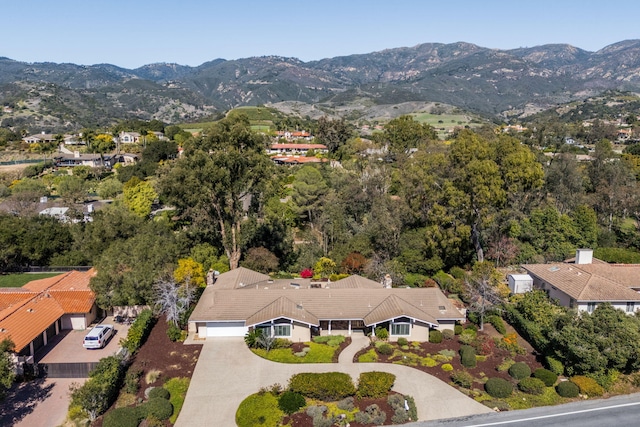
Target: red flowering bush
x=307, y=273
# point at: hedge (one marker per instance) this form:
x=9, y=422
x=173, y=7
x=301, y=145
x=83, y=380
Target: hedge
x=497, y=322
x=531, y=385
x=528, y=330
x=290, y=402
x=587, y=385
x=498, y=387
x=554, y=365
x=328, y=386
x=467, y=356
x=101, y=389
x=520, y=370
x=548, y=378
x=139, y=331
x=435, y=337
x=567, y=389
x=123, y=417
x=375, y=384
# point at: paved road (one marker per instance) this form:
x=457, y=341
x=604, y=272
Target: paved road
x=620, y=411
x=227, y=372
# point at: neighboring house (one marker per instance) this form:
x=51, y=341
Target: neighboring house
x=73, y=140
x=296, y=148
x=296, y=160
x=297, y=309
x=36, y=312
x=59, y=213
x=39, y=138
x=129, y=137
x=77, y=159
x=584, y=282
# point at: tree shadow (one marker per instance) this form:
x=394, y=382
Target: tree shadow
x=22, y=399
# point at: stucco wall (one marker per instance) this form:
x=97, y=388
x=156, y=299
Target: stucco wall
x=300, y=332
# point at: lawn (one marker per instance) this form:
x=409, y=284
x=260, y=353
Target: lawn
x=259, y=410
x=21, y=279
x=318, y=353
x=177, y=388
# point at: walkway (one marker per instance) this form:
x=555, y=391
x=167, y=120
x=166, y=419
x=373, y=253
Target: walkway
x=227, y=372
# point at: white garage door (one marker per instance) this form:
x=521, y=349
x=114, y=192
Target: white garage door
x=226, y=329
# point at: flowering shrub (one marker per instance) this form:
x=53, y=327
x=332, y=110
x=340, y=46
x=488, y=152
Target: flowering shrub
x=307, y=273
x=510, y=343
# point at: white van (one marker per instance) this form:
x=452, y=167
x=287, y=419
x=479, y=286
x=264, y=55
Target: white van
x=98, y=336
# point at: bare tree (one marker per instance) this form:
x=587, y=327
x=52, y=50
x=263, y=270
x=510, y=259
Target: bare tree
x=173, y=299
x=481, y=290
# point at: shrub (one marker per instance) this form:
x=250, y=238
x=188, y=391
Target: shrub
x=495, y=404
x=457, y=329
x=429, y=362
x=402, y=341
x=505, y=365
x=467, y=336
x=157, y=407
x=375, y=384
x=554, y=365
x=346, y=404
x=449, y=354
x=531, y=385
x=307, y=273
x=101, y=389
x=497, y=322
x=467, y=356
x=587, y=386
x=520, y=370
x=371, y=415
x=382, y=333
x=567, y=389
x=447, y=367
x=498, y=388
x=290, y=402
x=139, y=331
x=132, y=381
x=448, y=334
x=385, y=349
x=606, y=379
x=159, y=392
x=152, y=376
x=123, y=417
x=76, y=412
x=174, y=332
x=547, y=377
x=328, y=386
x=435, y=337
x=462, y=378
x=401, y=415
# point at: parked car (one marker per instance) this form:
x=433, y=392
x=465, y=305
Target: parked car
x=98, y=336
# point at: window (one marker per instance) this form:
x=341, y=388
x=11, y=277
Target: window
x=281, y=330
x=399, y=329
x=631, y=307
x=591, y=306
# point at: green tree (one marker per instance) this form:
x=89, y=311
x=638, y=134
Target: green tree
x=72, y=189
x=213, y=183
x=325, y=267
x=308, y=190
x=139, y=196
x=6, y=365
x=109, y=188
x=332, y=133
x=405, y=133
x=261, y=259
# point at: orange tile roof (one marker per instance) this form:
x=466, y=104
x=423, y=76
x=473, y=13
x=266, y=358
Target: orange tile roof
x=27, y=312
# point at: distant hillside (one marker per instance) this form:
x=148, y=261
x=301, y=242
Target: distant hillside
x=490, y=82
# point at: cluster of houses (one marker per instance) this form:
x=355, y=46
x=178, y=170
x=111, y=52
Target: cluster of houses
x=122, y=138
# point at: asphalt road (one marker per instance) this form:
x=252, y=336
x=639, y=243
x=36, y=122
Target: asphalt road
x=620, y=411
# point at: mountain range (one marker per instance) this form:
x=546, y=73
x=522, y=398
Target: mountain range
x=494, y=83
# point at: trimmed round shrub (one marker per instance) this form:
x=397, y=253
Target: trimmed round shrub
x=447, y=367
x=160, y=408
x=160, y=392
x=375, y=384
x=457, y=329
x=547, y=377
x=531, y=385
x=587, y=386
x=567, y=389
x=290, y=402
x=402, y=341
x=123, y=417
x=467, y=356
x=435, y=337
x=448, y=334
x=554, y=365
x=498, y=387
x=385, y=349
x=520, y=370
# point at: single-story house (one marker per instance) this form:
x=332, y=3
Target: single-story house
x=298, y=309
x=584, y=282
x=78, y=159
x=290, y=148
x=39, y=138
x=39, y=310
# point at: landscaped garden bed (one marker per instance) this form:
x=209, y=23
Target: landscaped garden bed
x=328, y=399
x=325, y=349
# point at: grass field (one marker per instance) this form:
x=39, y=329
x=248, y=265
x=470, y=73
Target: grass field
x=18, y=280
x=444, y=123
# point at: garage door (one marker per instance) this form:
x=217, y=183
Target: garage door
x=226, y=329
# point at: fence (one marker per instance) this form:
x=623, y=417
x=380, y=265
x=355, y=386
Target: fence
x=66, y=370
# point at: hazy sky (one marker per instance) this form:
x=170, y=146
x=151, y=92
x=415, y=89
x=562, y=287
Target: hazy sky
x=131, y=33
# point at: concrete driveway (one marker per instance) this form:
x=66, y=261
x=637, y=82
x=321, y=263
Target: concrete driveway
x=67, y=346
x=227, y=372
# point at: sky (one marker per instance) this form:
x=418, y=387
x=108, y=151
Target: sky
x=132, y=33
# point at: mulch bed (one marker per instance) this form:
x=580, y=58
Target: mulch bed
x=172, y=359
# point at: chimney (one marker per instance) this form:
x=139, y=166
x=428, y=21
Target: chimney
x=76, y=154
x=584, y=256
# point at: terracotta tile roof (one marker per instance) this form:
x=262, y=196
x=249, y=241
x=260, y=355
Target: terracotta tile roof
x=298, y=146
x=28, y=311
x=590, y=282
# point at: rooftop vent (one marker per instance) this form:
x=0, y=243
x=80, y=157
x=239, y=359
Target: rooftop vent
x=442, y=307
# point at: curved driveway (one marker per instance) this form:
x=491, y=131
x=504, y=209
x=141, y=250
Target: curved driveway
x=227, y=372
